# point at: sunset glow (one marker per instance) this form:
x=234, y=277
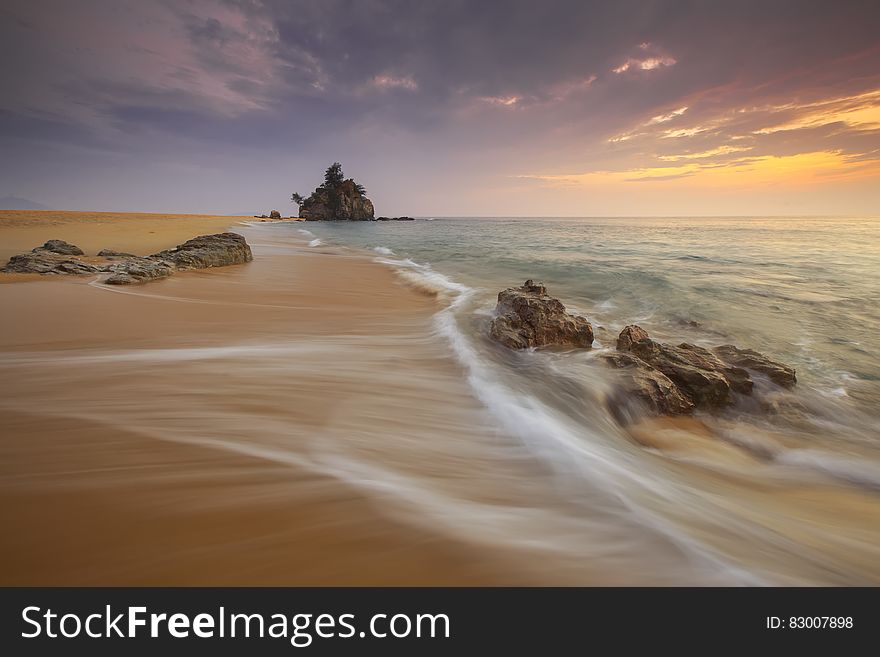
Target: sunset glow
x=186, y=100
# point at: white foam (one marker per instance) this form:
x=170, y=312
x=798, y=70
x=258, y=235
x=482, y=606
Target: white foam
x=846, y=469
x=305, y=232
x=315, y=242
x=383, y=250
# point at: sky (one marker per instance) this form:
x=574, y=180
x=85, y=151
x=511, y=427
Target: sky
x=444, y=107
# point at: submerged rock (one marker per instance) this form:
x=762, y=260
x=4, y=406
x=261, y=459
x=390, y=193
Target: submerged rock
x=781, y=374
x=528, y=317
x=629, y=335
x=641, y=384
x=705, y=379
x=700, y=377
x=208, y=251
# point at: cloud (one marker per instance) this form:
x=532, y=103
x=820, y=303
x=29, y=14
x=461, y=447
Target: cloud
x=647, y=64
x=385, y=82
x=625, y=88
x=713, y=152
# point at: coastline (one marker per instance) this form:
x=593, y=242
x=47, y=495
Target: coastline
x=332, y=415
x=106, y=481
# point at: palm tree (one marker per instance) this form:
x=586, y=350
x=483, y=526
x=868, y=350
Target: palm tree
x=360, y=189
x=297, y=198
x=333, y=176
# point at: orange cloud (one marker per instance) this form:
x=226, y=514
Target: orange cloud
x=801, y=169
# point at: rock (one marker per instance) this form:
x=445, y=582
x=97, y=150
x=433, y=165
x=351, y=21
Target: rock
x=110, y=253
x=208, y=251
x=698, y=372
x=395, y=219
x=60, y=247
x=139, y=270
x=707, y=378
x=274, y=214
x=644, y=386
x=337, y=199
x=630, y=334
x=42, y=261
x=779, y=373
x=528, y=317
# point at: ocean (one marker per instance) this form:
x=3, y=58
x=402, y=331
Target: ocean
x=768, y=491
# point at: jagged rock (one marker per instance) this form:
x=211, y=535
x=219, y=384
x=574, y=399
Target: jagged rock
x=208, y=251
x=630, y=334
x=779, y=373
x=528, y=317
x=645, y=386
x=340, y=203
x=60, y=247
x=274, y=214
x=138, y=270
x=697, y=371
x=110, y=253
x=704, y=378
x=198, y=253
x=42, y=261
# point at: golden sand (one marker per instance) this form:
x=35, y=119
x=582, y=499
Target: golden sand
x=87, y=499
x=138, y=233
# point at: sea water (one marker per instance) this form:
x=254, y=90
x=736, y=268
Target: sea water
x=778, y=488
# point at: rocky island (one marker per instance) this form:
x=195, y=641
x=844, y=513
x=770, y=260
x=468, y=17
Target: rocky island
x=338, y=199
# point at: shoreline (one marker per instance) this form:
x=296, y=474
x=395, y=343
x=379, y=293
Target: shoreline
x=95, y=490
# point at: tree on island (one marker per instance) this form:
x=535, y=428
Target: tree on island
x=337, y=198
x=333, y=177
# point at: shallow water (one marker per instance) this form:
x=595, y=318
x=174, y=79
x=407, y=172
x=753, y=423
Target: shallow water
x=779, y=490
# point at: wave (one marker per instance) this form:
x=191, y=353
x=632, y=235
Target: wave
x=423, y=277
x=849, y=470
x=383, y=250
x=578, y=455
x=307, y=233
x=316, y=242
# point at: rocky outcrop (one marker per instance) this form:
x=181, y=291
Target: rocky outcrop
x=692, y=376
x=629, y=335
x=124, y=269
x=274, y=214
x=139, y=270
x=704, y=378
x=528, y=317
x=779, y=373
x=60, y=247
x=337, y=199
x=339, y=203
x=395, y=219
x=644, y=388
x=41, y=261
x=208, y=251
x=110, y=254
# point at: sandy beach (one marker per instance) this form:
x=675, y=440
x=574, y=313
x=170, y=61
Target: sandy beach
x=111, y=474
x=316, y=417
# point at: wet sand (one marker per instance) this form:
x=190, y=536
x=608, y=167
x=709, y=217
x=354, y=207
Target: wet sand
x=104, y=480
x=303, y=419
